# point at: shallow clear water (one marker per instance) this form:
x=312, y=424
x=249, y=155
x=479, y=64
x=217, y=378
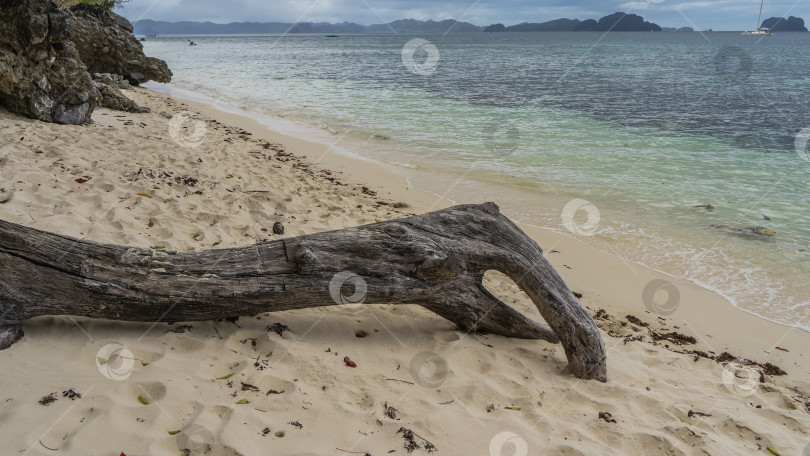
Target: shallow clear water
x=644, y=126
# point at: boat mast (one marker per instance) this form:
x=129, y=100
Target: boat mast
x=759, y=19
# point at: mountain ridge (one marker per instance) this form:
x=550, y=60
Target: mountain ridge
x=403, y=26
x=616, y=21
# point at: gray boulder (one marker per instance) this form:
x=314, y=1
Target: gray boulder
x=106, y=45
x=110, y=86
x=41, y=73
x=112, y=98
x=114, y=80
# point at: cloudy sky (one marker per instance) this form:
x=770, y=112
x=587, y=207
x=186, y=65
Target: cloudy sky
x=714, y=14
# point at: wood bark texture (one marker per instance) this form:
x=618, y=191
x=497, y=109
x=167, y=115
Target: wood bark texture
x=436, y=260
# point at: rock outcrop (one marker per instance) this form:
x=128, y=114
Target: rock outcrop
x=41, y=73
x=780, y=24
x=110, y=85
x=618, y=22
x=106, y=45
x=114, y=80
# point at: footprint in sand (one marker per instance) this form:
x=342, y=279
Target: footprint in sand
x=447, y=336
x=60, y=434
x=222, y=369
x=201, y=435
x=151, y=392
x=6, y=194
x=251, y=343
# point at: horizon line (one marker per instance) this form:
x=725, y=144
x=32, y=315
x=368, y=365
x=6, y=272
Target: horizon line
x=442, y=20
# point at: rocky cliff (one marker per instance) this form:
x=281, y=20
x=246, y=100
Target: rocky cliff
x=618, y=22
x=41, y=74
x=780, y=24
x=47, y=55
x=106, y=45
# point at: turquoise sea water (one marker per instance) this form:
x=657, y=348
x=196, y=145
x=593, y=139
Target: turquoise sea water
x=645, y=126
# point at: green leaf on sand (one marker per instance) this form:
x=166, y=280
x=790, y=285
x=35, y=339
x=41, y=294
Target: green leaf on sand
x=174, y=432
x=102, y=361
x=144, y=364
x=143, y=400
x=513, y=408
x=151, y=222
x=774, y=452
x=243, y=401
x=226, y=376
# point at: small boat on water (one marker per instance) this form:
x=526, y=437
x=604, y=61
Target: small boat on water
x=333, y=36
x=760, y=31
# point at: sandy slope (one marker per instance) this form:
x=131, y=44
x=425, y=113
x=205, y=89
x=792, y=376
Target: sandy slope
x=139, y=193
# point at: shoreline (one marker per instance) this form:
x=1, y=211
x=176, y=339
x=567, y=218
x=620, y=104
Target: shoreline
x=425, y=180
x=363, y=170
x=138, y=193
x=319, y=151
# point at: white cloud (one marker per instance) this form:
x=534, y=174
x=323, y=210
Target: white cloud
x=634, y=6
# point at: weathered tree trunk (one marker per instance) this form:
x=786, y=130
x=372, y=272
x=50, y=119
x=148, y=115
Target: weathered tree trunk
x=436, y=260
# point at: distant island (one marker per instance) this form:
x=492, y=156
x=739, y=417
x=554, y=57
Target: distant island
x=780, y=24
x=619, y=22
x=404, y=27
x=616, y=22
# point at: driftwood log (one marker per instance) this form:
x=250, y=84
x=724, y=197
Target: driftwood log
x=436, y=260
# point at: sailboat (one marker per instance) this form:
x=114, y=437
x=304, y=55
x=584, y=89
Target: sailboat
x=760, y=31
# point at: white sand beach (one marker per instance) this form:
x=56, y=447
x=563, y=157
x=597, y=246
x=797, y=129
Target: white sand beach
x=237, y=388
